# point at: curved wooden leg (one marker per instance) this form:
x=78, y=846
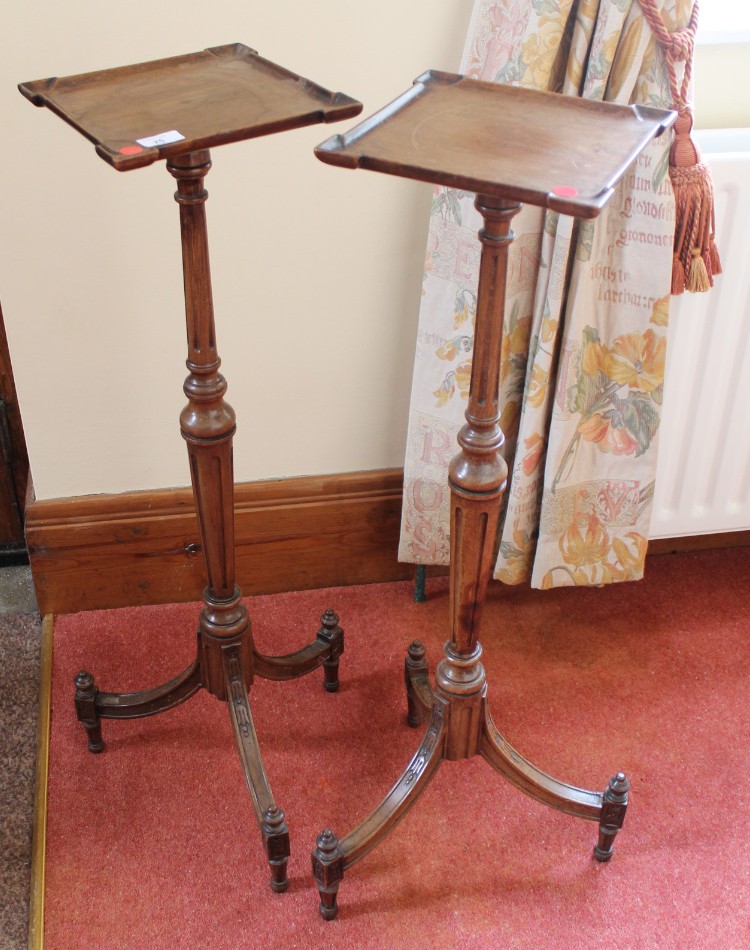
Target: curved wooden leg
x=324, y=651
x=533, y=781
x=607, y=808
x=92, y=705
x=419, y=695
x=333, y=856
x=270, y=817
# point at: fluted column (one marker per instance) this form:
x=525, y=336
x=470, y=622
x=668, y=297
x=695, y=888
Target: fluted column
x=208, y=424
x=477, y=478
x=478, y=474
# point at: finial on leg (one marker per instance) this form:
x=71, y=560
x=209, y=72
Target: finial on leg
x=85, y=702
x=415, y=663
x=330, y=632
x=328, y=868
x=276, y=844
x=614, y=806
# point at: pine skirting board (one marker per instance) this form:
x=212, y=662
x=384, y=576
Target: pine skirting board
x=103, y=551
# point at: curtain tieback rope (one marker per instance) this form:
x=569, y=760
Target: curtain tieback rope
x=695, y=258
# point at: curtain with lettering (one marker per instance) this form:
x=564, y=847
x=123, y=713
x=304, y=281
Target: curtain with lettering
x=587, y=307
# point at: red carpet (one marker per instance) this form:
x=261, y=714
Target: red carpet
x=153, y=843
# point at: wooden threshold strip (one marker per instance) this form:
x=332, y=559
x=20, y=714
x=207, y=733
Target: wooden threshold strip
x=39, y=836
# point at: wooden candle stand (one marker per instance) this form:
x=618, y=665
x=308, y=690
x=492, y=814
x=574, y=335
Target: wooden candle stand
x=177, y=109
x=507, y=145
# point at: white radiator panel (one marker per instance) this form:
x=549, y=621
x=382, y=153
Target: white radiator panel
x=703, y=473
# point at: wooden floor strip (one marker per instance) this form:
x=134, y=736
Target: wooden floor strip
x=38, y=847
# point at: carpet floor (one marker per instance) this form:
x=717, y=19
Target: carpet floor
x=153, y=844
x=20, y=638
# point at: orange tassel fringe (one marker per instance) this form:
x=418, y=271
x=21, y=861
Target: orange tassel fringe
x=696, y=260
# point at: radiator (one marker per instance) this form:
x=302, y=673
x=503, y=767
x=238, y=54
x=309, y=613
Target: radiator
x=703, y=472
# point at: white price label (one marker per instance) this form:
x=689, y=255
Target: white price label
x=163, y=138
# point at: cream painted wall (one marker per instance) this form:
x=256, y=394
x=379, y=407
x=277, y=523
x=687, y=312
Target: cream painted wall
x=722, y=85
x=316, y=270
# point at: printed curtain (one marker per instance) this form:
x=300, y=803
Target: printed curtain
x=587, y=306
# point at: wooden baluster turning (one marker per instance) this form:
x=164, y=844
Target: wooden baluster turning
x=208, y=424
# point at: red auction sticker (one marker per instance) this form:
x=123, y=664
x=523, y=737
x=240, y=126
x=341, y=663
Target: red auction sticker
x=131, y=149
x=565, y=191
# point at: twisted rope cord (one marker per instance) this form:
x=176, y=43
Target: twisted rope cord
x=677, y=47
x=695, y=256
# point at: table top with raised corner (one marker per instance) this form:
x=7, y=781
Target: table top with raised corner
x=136, y=115
x=540, y=148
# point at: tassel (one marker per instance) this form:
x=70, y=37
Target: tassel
x=678, y=277
x=698, y=280
x=696, y=259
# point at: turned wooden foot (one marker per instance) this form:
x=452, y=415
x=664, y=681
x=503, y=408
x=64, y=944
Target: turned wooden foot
x=325, y=651
x=85, y=701
x=328, y=869
x=93, y=705
x=419, y=696
x=607, y=808
x=614, y=806
x=332, y=636
x=276, y=845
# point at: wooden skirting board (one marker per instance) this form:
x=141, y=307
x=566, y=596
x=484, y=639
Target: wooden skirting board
x=102, y=551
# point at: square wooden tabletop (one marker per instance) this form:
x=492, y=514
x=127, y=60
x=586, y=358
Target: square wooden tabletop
x=541, y=148
x=138, y=114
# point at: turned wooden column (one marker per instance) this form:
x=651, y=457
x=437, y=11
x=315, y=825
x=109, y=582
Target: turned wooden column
x=477, y=477
x=207, y=424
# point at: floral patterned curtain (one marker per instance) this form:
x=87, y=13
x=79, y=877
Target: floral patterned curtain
x=587, y=307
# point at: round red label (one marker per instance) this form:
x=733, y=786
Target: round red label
x=131, y=149
x=565, y=191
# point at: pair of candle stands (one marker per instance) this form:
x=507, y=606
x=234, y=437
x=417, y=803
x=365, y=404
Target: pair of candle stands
x=506, y=145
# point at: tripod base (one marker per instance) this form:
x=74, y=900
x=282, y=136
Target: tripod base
x=92, y=706
x=460, y=726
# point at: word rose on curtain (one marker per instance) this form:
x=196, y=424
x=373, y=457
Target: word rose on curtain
x=584, y=342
